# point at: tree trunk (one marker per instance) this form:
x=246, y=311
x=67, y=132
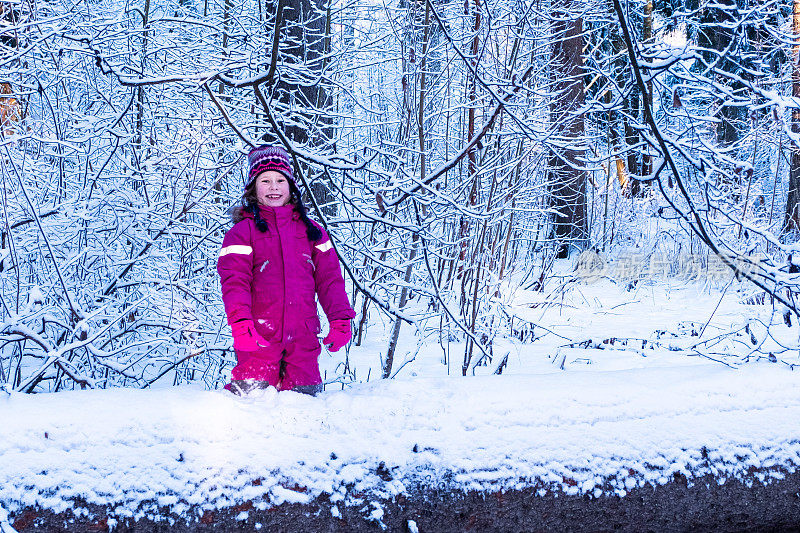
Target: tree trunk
x=305, y=40
x=567, y=178
x=717, y=22
x=647, y=101
x=792, y=219
x=472, y=160
x=389, y=362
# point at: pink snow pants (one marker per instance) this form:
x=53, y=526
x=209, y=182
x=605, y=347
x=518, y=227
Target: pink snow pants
x=285, y=365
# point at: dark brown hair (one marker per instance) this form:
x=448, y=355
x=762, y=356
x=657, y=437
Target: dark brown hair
x=249, y=203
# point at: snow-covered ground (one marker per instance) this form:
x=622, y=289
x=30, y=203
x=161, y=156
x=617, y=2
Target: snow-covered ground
x=668, y=395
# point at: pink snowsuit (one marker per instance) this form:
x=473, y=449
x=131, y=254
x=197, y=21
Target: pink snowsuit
x=272, y=278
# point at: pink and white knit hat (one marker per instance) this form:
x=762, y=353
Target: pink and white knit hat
x=266, y=157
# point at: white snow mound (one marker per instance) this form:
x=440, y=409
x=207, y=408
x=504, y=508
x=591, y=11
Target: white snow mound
x=580, y=432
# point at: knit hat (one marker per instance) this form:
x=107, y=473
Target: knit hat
x=266, y=157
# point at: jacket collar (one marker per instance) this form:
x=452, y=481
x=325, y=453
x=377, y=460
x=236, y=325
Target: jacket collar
x=269, y=213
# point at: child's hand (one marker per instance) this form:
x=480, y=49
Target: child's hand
x=339, y=335
x=246, y=338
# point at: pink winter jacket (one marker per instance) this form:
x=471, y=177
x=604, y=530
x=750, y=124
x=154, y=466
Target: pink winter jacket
x=272, y=278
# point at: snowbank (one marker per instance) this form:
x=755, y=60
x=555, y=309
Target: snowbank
x=576, y=432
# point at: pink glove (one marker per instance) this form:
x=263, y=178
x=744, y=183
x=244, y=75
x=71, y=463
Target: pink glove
x=338, y=336
x=246, y=338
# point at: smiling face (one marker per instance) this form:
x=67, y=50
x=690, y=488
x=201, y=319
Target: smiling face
x=272, y=189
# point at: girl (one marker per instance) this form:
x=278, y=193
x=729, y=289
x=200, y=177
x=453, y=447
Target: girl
x=273, y=262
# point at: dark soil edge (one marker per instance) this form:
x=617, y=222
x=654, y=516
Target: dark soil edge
x=699, y=505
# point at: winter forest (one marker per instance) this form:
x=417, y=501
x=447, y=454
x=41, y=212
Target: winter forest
x=458, y=153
